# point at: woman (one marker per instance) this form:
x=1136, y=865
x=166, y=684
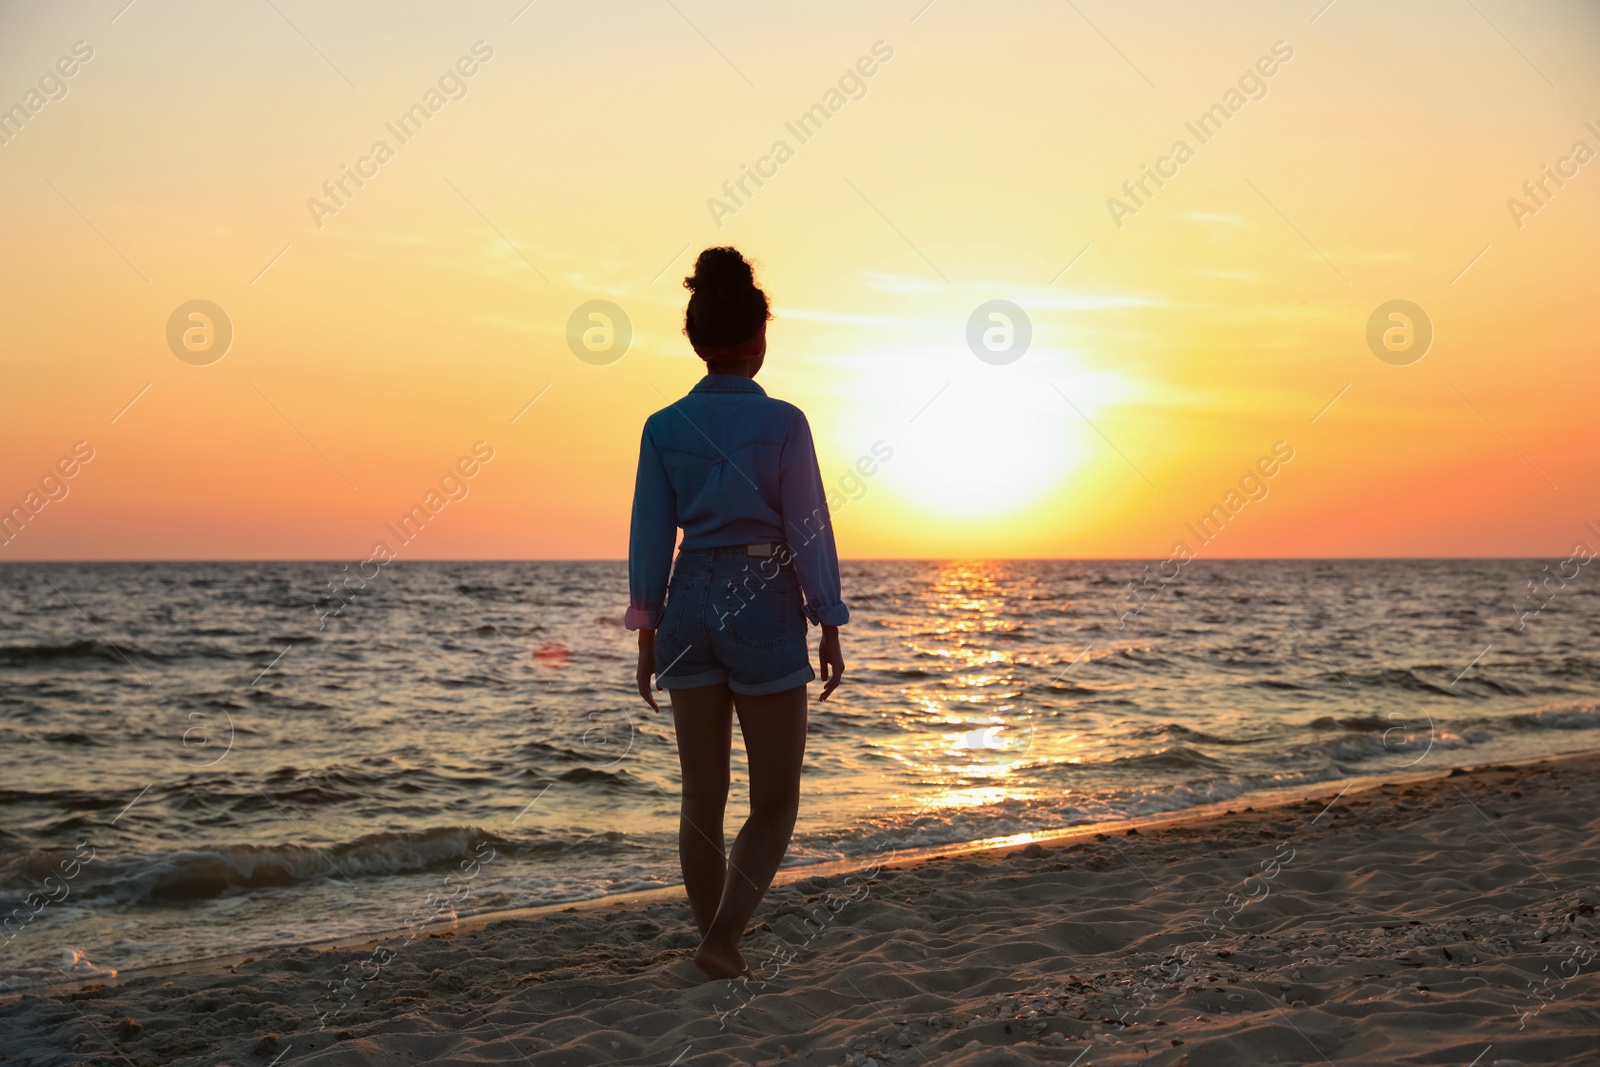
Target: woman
x=736, y=470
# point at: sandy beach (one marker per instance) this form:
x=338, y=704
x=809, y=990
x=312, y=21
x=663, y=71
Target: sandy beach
x=1446, y=921
x=1036, y=532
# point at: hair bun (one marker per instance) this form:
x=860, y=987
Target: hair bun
x=721, y=270
x=728, y=307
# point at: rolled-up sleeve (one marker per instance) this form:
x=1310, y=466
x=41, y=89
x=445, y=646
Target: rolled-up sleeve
x=654, y=533
x=810, y=528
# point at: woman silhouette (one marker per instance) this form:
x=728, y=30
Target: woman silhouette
x=737, y=471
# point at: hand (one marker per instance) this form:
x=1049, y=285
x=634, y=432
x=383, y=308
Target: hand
x=647, y=666
x=832, y=660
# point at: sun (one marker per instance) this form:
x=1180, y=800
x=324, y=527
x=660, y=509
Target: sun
x=988, y=443
x=987, y=448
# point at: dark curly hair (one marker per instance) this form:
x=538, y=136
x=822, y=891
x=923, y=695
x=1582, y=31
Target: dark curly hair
x=727, y=306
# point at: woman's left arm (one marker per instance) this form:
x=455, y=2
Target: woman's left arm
x=816, y=560
x=647, y=667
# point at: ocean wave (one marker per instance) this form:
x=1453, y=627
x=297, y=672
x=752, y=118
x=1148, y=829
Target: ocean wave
x=1400, y=743
x=1280, y=684
x=1133, y=659
x=1064, y=686
x=123, y=651
x=71, y=965
x=1354, y=722
x=1578, y=716
x=1177, y=758
x=1406, y=680
x=207, y=873
x=70, y=737
x=62, y=798
x=589, y=775
x=34, y=655
x=1178, y=730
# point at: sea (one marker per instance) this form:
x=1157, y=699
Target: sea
x=204, y=759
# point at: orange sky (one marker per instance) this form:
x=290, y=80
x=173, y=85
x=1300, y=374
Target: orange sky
x=378, y=338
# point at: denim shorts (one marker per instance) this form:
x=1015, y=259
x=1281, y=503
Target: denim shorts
x=732, y=618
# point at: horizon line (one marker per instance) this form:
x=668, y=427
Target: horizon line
x=842, y=559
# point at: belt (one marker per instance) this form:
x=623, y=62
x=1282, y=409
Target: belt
x=763, y=549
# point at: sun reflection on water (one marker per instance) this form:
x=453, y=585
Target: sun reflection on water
x=972, y=727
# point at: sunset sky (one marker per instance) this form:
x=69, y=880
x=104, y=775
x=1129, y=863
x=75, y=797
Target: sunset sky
x=377, y=338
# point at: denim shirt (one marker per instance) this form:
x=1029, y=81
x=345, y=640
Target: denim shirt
x=731, y=466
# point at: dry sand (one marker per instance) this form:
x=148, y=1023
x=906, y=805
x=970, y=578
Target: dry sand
x=1449, y=921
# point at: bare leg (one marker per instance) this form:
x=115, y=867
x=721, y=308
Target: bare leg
x=703, y=719
x=774, y=729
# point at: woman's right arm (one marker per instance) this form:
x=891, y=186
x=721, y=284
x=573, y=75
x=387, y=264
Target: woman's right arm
x=650, y=543
x=651, y=540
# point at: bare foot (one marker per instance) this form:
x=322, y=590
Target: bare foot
x=720, y=961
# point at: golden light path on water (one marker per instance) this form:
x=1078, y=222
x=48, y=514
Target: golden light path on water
x=975, y=739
